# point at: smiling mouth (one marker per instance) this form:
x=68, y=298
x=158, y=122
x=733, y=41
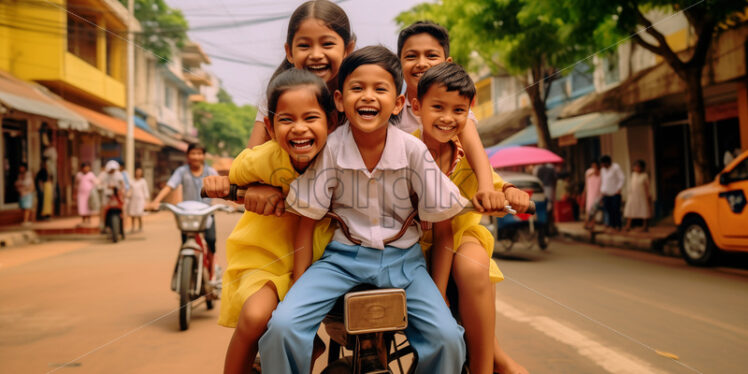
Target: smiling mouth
x=367, y=113
x=301, y=145
x=418, y=74
x=446, y=128
x=318, y=68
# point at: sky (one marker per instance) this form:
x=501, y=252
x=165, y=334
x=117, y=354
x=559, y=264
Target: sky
x=260, y=46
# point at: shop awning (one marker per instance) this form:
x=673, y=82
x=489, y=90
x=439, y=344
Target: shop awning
x=113, y=125
x=593, y=124
x=502, y=125
x=25, y=97
x=171, y=142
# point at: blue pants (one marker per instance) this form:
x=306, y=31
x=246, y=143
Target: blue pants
x=286, y=347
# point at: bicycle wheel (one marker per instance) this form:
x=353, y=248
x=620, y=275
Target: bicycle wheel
x=185, y=305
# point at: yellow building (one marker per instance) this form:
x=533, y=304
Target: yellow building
x=76, y=47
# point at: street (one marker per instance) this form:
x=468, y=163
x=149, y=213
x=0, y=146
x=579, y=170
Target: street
x=576, y=308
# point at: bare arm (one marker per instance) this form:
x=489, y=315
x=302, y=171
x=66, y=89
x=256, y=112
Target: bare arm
x=478, y=159
x=259, y=135
x=442, y=255
x=302, y=255
x=161, y=195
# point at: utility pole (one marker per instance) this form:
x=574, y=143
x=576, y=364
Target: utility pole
x=130, y=139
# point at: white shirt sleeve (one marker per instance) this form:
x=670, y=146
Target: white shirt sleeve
x=619, y=178
x=438, y=198
x=311, y=193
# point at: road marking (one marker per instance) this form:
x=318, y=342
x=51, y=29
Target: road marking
x=609, y=359
x=733, y=328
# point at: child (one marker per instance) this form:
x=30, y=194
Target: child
x=259, y=251
x=366, y=174
x=443, y=100
x=421, y=46
x=318, y=38
x=25, y=187
x=139, y=194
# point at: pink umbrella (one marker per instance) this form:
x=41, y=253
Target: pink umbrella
x=520, y=155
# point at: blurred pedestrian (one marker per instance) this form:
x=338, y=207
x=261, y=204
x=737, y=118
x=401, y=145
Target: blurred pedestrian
x=112, y=185
x=639, y=200
x=139, y=195
x=41, y=177
x=88, y=196
x=611, y=184
x=25, y=187
x=591, y=194
x=547, y=175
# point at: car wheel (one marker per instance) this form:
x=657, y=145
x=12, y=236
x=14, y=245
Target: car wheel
x=696, y=245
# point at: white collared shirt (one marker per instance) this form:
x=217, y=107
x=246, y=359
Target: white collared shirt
x=410, y=122
x=375, y=204
x=611, y=180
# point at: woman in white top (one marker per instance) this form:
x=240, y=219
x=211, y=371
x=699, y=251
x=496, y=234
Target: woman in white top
x=639, y=201
x=139, y=195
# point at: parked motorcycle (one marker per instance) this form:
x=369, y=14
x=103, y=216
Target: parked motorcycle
x=367, y=321
x=195, y=273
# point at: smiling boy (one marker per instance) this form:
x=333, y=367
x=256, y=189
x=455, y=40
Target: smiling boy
x=366, y=175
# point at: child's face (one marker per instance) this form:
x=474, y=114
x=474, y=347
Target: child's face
x=299, y=125
x=443, y=113
x=317, y=48
x=369, y=97
x=420, y=52
x=138, y=173
x=196, y=157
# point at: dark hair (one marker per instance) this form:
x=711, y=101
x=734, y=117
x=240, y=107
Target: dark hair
x=424, y=27
x=605, y=159
x=84, y=164
x=373, y=55
x=24, y=165
x=450, y=75
x=295, y=78
x=326, y=11
x=195, y=146
x=642, y=165
x=596, y=162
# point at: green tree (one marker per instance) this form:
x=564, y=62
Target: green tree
x=516, y=36
x=706, y=19
x=162, y=26
x=224, y=127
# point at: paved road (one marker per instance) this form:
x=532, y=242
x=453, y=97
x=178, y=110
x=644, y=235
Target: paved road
x=574, y=309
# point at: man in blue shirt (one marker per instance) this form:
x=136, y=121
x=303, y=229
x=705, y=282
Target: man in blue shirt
x=191, y=176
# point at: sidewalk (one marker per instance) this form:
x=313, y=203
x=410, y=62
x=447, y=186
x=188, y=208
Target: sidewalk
x=659, y=238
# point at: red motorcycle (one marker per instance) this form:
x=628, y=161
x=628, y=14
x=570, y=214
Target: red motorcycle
x=113, y=214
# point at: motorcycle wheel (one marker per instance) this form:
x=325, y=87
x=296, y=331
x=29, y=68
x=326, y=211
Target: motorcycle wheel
x=115, y=226
x=543, y=239
x=185, y=305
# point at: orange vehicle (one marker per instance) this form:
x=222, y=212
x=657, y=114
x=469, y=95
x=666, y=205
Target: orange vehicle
x=714, y=216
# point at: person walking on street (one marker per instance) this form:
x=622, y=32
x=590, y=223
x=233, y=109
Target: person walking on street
x=42, y=176
x=191, y=176
x=611, y=184
x=638, y=201
x=25, y=187
x=547, y=175
x=139, y=194
x=591, y=194
x=88, y=197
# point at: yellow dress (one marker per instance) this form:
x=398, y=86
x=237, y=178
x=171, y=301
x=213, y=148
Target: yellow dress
x=467, y=224
x=260, y=249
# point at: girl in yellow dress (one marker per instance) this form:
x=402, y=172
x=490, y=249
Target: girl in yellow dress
x=259, y=251
x=445, y=92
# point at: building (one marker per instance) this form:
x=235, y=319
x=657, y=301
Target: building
x=76, y=50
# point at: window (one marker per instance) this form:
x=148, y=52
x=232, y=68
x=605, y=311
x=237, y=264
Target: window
x=740, y=172
x=82, y=37
x=168, y=97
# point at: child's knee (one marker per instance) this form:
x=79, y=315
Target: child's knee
x=253, y=320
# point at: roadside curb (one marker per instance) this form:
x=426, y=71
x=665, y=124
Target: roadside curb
x=665, y=246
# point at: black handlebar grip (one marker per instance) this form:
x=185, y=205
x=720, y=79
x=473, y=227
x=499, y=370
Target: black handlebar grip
x=232, y=196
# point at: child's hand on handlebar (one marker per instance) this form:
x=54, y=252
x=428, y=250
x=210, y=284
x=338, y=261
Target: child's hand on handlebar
x=518, y=199
x=264, y=200
x=216, y=186
x=489, y=201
